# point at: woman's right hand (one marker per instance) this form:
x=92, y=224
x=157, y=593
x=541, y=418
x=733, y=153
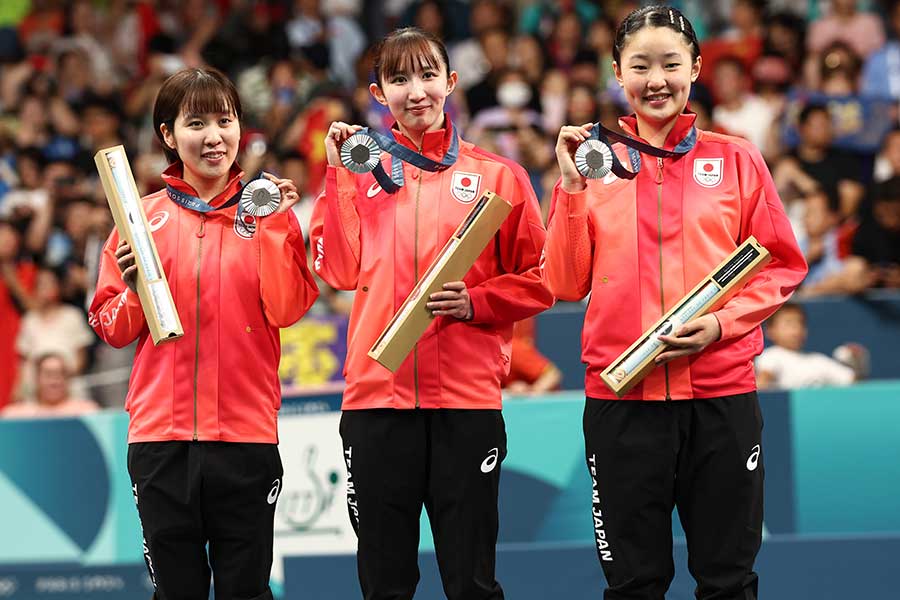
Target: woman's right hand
x=128, y=267
x=570, y=137
x=337, y=133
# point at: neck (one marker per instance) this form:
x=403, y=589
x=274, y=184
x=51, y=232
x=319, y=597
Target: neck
x=206, y=188
x=417, y=137
x=655, y=133
x=810, y=153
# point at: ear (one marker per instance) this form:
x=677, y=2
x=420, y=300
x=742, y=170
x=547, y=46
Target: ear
x=168, y=136
x=695, y=68
x=617, y=71
x=377, y=93
x=452, y=80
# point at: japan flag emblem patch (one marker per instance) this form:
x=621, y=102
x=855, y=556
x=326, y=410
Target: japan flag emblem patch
x=708, y=171
x=464, y=186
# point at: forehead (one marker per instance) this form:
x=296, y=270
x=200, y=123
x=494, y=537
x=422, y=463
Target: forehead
x=656, y=42
x=410, y=56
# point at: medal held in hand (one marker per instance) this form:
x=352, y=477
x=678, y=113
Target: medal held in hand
x=260, y=198
x=360, y=153
x=593, y=159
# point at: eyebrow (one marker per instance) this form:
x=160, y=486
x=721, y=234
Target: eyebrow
x=642, y=56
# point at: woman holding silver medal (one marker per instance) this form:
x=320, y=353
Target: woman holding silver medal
x=638, y=239
x=431, y=433
x=203, y=455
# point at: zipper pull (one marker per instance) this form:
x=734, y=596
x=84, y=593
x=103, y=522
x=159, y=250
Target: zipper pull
x=202, y=231
x=659, y=169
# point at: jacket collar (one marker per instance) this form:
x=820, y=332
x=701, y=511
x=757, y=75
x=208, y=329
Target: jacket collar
x=434, y=143
x=174, y=176
x=683, y=124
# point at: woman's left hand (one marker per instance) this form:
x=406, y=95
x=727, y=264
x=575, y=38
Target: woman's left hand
x=453, y=301
x=690, y=338
x=289, y=194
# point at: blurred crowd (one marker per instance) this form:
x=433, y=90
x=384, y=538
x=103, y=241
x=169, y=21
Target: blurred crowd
x=814, y=84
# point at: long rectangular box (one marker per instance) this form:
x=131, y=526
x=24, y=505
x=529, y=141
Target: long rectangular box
x=451, y=264
x=632, y=365
x=131, y=222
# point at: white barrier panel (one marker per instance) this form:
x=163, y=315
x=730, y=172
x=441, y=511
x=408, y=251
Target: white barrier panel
x=311, y=515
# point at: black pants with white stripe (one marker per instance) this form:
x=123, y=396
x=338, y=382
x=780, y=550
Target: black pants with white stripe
x=193, y=494
x=701, y=456
x=445, y=460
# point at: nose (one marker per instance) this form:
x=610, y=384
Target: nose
x=416, y=89
x=213, y=136
x=656, y=78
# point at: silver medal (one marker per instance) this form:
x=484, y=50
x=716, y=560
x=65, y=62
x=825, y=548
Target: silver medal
x=260, y=198
x=593, y=159
x=360, y=153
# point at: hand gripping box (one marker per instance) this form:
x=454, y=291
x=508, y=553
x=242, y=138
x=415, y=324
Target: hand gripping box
x=714, y=290
x=451, y=264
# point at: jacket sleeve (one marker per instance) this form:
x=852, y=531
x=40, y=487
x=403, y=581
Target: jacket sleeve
x=115, y=314
x=763, y=216
x=334, y=231
x=286, y=286
x=568, y=253
x=518, y=292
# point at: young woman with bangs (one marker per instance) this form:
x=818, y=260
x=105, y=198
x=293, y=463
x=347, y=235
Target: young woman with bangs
x=431, y=433
x=202, y=438
x=690, y=433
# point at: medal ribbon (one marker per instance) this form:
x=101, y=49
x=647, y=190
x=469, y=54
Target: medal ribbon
x=401, y=154
x=191, y=202
x=636, y=147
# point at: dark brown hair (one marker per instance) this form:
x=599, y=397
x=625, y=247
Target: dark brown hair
x=404, y=50
x=655, y=16
x=196, y=91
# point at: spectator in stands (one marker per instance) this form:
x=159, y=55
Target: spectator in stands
x=530, y=372
x=52, y=393
x=17, y=275
x=839, y=68
x=785, y=365
x=875, y=260
x=887, y=163
x=742, y=42
x=862, y=31
x=739, y=111
x=881, y=73
x=53, y=326
x=819, y=241
x=815, y=162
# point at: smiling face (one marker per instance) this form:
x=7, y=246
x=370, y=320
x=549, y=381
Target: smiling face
x=656, y=71
x=206, y=143
x=415, y=92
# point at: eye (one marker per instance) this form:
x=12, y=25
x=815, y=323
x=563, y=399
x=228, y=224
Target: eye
x=195, y=123
x=225, y=120
x=429, y=74
x=673, y=65
x=398, y=79
x=639, y=68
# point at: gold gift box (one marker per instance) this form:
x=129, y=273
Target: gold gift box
x=131, y=222
x=451, y=264
x=714, y=290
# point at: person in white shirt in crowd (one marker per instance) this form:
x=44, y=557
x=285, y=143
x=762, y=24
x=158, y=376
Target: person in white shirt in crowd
x=786, y=365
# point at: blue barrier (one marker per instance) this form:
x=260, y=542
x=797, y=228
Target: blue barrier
x=872, y=319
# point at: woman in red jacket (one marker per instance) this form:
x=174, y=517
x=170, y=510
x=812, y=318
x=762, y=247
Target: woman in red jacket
x=203, y=455
x=689, y=434
x=431, y=433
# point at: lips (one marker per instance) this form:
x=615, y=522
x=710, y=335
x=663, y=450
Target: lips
x=657, y=98
x=213, y=156
x=418, y=110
